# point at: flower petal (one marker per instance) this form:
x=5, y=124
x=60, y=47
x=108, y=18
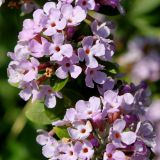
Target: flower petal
x=61, y=73
x=50, y=101
x=75, y=71
x=100, y=77
x=119, y=125
x=128, y=137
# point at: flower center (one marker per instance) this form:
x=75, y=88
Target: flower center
x=59, y=31
x=49, y=91
x=117, y=135
x=57, y=49
x=84, y=3
x=69, y=21
x=91, y=72
x=85, y=150
x=87, y=51
x=109, y=155
x=67, y=64
x=90, y=112
x=53, y=24
x=83, y=130
x=71, y=153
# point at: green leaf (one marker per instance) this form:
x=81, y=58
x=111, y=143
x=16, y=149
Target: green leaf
x=60, y=84
x=36, y=113
x=61, y=132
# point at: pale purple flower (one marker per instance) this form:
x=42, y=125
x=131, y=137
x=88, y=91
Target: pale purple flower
x=88, y=109
x=15, y=74
x=112, y=154
x=73, y=15
x=109, y=49
x=30, y=69
x=58, y=50
x=118, y=137
x=48, y=95
x=146, y=132
x=112, y=101
x=29, y=90
x=69, y=118
x=44, y=138
x=50, y=150
x=108, y=85
x=48, y=6
x=68, y=66
x=100, y=30
x=90, y=51
x=86, y=150
x=86, y=4
x=95, y=75
x=21, y=52
x=80, y=130
x=54, y=23
x=23, y=70
x=32, y=27
x=68, y=152
x=39, y=49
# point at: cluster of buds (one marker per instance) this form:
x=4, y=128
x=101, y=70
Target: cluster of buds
x=108, y=128
x=46, y=49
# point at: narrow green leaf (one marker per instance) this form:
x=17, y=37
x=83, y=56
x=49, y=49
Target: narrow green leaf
x=61, y=132
x=60, y=84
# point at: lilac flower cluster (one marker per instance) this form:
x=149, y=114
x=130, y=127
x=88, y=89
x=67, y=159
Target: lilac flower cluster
x=46, y=49
x=108, y=128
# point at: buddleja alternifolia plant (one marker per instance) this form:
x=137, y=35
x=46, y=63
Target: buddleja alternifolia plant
x=63, y=65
